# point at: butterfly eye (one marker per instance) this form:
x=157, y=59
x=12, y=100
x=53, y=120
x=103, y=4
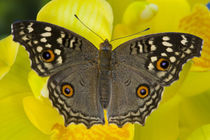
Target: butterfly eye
x=162, y=64
x=142, y=91
x=67, y=90
x=48, y=56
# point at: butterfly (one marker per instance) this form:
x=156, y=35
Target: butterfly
x=83, y=81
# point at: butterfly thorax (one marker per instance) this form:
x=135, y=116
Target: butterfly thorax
x=105, y=78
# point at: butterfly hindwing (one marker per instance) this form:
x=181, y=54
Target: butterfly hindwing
x=151, y=61
x=127, y=104
x=52, y=48
x=73, y=92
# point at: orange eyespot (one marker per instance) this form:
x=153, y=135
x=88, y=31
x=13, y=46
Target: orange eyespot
x=67, y=90
x=142, y=91
x=48, y=56
x=162, y=64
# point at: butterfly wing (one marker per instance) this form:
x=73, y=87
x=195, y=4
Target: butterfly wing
x=71, y=61
x=82, y=104
x=145, y=65
x=52, y=48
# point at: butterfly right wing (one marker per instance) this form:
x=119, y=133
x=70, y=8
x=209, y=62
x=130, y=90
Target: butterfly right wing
x=52, y=48
x=73, y=92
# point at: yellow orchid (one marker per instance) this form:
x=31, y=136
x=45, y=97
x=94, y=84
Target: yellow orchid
x=183, y=113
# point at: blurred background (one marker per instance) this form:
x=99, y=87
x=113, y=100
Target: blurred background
x=13, y=10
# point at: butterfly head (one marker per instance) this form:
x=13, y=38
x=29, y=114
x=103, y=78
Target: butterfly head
x=105, y=45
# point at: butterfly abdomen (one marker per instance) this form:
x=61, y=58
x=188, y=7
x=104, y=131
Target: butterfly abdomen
x=105, y=75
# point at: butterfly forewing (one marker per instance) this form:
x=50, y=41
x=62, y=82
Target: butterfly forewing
x=145, y=54
x=52, y=48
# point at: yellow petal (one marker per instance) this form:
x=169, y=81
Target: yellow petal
x=105, y=132
x=198, y=24
x=194, y=112
x=119, y=8
x=170, y=12
x=195, y=83
x=96, y=14
x=194, y=2
x=8, y=49
x=14, y=124
x=16, y=80
x=41, y=114
x=37, y=83
x=162, y=124
x=202, y=133
x=139, y=12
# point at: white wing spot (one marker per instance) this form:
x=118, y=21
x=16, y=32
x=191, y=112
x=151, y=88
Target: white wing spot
x=48, y=28
x=29, y=43
x=153, y=58
x=163, y=54
x=57, y=51
x=30, y=29
x=161, y=74
x=24, y=38
x=150, y=67
x=43, y=40
x=176, y=53
x=39, y=49
x=46, y=34
x=59, y=40
x=40, y=68
x=140, y=47
x=191, y=47
x=35, y=42
x=183, y=55
x=59, y=60
x=169, y=78
x=173, y=71
x=21, y=33
x=71, y=42
x=153, y=48
x=48, y=45
x=188, y=51
x=166, y=38
x=184, y=40
x=172, y=59
x=169, y=50
x=151, y=42
x=62, y=34
x=48, y=65
x=167, y=44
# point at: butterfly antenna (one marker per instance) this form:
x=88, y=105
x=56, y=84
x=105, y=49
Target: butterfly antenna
x=89, y=28
x=129, y=35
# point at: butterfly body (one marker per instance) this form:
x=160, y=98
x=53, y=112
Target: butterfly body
x=105, y=73
x=127, y=81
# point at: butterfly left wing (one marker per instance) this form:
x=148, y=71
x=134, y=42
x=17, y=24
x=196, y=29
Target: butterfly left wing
x=52, y=48
x=73, y=92
x=141, y=68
